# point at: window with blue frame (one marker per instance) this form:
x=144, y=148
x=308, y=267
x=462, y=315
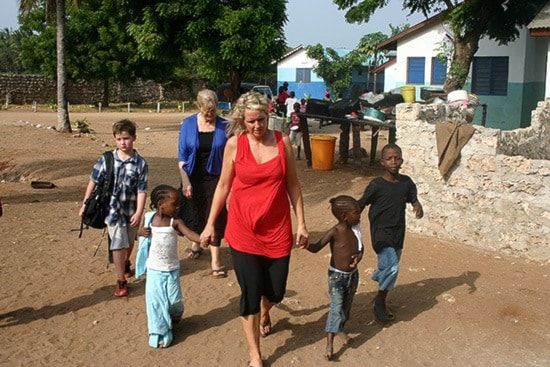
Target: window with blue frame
x=303, y=75
x=490, y=76
x=439, y=71
x=415, y=70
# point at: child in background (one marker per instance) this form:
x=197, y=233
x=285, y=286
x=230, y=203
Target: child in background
x=162, y=288
x=290, y=101
x=130, y=172
x=388, y=196
x=303, y=105
x=295, y=135
x=346, y=248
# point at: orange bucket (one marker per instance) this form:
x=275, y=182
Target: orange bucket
x=322, y=152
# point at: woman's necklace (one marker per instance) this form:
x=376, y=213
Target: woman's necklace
x=203, y=125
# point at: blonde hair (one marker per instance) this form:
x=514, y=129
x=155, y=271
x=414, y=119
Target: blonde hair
x=208, y=99
x=248, y=101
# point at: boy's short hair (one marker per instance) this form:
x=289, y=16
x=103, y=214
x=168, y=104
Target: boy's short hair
x=391, y=146
x=296, y=105
x=124, y=125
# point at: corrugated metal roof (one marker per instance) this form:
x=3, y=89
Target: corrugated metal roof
x=542, y=20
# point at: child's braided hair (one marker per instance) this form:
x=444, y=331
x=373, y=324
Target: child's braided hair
x=160, y=193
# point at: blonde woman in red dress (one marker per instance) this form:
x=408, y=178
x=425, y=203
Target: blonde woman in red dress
x=259, y=171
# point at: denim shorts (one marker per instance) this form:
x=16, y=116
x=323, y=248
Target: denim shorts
x=341, y=288
x=388, y=268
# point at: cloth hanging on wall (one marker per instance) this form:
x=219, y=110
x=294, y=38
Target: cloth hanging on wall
x=451, y=137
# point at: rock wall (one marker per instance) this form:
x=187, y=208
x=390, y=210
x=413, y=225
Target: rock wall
x=496, y=196
x=25, y=89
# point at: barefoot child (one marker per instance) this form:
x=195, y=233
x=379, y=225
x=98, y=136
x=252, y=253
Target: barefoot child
x=162, y=289
x=388, y=196
x=347, y=251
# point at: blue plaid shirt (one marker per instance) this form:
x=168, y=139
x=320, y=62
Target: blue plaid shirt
x=130, y=178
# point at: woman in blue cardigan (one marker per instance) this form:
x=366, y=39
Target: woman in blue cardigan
x=200, y=155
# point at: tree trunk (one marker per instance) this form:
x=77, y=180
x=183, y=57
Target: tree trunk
x=464, y=51
x=63, y=122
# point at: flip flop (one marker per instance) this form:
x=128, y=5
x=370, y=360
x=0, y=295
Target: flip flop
x=195, y=254
x=219, y=273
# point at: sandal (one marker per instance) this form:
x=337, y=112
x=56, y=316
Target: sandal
x=219, y=273
x=195, y=254
x=266, y=328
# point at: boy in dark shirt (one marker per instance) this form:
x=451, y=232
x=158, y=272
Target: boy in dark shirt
x=388, y=196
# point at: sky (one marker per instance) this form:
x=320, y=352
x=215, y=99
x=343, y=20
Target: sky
x=309, y=22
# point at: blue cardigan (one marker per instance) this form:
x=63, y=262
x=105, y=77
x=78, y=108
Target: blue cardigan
x=188, y=144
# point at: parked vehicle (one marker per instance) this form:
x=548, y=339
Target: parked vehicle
x=225, y=93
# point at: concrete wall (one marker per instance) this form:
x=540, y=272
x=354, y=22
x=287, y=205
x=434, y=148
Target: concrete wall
x=496, y=197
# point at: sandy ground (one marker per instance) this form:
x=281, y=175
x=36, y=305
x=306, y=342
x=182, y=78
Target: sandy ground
x=455, y=305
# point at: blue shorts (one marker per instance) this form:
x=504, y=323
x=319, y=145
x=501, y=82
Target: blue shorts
x=388, y=268
x=258, y=277
x=121, y=237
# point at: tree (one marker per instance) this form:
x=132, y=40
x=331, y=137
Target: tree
x=99, y=47
x=55, y=8
x=220, y=40
x=469, y=21
x=335, y=70
x=367, y=48
x=10, y=48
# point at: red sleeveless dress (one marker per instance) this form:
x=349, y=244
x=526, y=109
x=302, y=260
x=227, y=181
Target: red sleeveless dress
x=258, y=219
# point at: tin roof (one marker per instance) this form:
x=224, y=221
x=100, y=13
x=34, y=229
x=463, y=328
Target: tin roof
x=542, y=19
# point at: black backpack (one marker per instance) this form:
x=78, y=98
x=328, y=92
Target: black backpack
x=96, y=207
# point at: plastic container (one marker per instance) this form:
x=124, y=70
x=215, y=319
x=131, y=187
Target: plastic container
x=322, y=152
x=409, y=93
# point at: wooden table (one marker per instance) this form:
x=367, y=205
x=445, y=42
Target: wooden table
x=346, y=125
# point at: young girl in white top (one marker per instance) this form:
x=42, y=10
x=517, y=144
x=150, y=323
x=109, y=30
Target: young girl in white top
x=159, y=245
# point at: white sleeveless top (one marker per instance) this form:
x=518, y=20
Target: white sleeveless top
x=163, y=253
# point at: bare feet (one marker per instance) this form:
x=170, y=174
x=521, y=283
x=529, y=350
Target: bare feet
x=380, y=311
x=329, y=353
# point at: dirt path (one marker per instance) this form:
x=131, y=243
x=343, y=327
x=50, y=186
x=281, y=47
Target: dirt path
x=455, y=305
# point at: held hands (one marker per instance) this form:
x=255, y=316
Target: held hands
x=302, y=237
x=208, y=236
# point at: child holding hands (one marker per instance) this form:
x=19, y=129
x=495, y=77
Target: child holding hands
x=388, y=196
x=346, y=248
x=158, y=245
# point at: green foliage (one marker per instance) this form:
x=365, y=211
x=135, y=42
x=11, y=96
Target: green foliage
x=83, y=126
x=215, y=40
x=334, y=69
x=10, y=49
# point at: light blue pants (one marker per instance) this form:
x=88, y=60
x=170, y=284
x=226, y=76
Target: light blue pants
x=164, y=301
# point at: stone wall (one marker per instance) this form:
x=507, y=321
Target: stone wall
x=496, y=196
x=25, y=89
